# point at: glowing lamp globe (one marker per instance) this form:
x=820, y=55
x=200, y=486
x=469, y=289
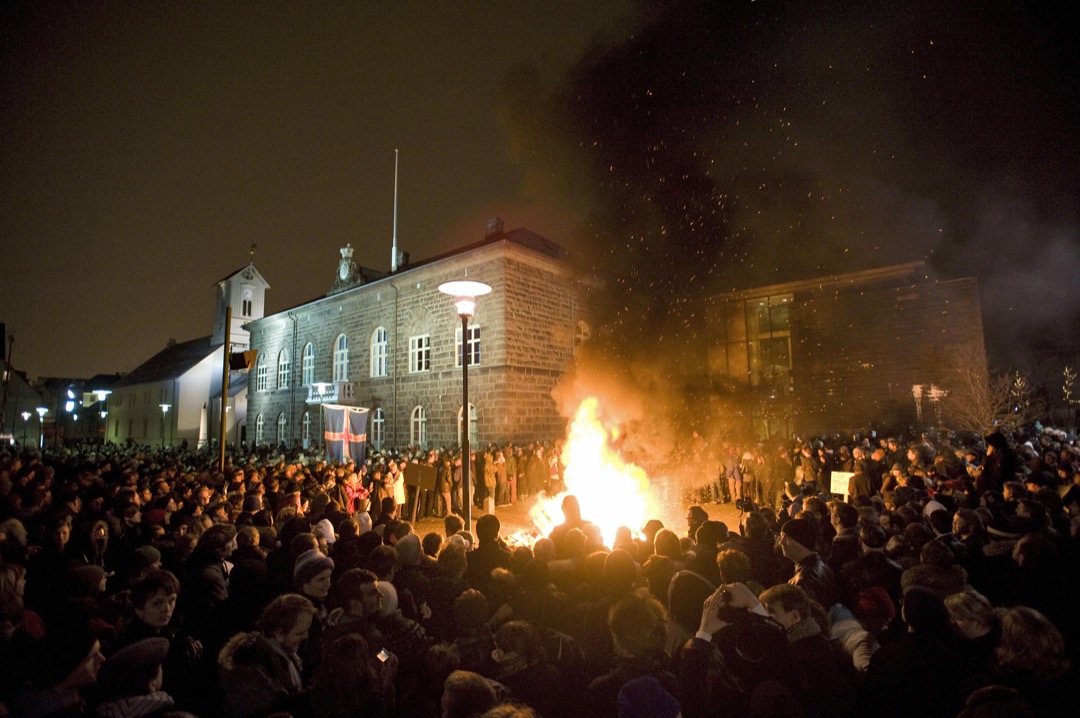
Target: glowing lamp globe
x=465, y=293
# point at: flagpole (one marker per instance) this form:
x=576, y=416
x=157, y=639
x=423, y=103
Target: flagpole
x=227, y=350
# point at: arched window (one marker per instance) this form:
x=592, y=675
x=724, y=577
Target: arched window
x=380, y=351
x=341, y=358
x=308, y=365
x=283, y=369
x=259, y=425
x=582, y=334
x=262, y=374
x=474, y=430
x=418, y=433
x=282, y=425
x=378, y=428
x=307, y=430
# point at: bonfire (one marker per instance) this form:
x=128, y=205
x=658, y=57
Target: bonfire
x=611, y=491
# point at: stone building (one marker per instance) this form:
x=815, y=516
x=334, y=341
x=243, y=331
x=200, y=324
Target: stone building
x=392, y=343
x=869, y=348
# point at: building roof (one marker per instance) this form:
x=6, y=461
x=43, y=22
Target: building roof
x=909, y=273
x=172, y=362
x=521, y=236
x=250, y=268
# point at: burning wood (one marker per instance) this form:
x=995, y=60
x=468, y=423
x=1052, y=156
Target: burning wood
x=611, y=492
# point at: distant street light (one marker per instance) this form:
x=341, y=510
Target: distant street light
x=164, y=410
x=41, y=412
x=103, y=397
x=69, y=407
x=465, y=293
x=25, y=420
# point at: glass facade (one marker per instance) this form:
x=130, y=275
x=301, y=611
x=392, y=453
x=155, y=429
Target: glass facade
x=754, y=343
x=752, y=351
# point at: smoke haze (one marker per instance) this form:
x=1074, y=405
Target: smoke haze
x=721, y=145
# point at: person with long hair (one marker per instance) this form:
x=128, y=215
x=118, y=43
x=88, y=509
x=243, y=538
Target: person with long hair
x=260, y=672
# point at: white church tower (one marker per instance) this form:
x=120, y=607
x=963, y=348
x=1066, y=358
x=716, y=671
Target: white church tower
x=245, y=291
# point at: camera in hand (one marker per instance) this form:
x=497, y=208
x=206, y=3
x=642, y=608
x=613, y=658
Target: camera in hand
x=726, y=612
x=745, y=505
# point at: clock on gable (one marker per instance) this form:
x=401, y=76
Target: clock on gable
x=346, y=267
x=349, y=274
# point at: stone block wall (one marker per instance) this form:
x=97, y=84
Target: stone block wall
x=527, y=327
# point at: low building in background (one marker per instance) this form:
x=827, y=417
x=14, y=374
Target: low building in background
x=175, y=396
x=845, y=352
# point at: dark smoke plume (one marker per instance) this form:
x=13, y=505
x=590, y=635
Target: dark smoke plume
x=731, y=144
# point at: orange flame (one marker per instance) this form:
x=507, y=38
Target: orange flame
x=611, y=492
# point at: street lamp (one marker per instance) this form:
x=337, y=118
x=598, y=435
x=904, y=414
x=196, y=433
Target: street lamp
x=41, y=412
x=102, y=396
x=25, y=421
x=465, y=293
x=164, y=410
x=69, y=407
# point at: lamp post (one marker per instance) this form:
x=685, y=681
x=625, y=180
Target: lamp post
x=164, y=410
x=465, y=293
x=69, y=405
x=25, y=421
x=41, y=412
x=103, y=398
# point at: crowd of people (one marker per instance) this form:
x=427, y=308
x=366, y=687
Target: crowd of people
x=142, y=582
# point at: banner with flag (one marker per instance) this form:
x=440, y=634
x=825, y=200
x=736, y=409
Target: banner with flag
x=344, y=432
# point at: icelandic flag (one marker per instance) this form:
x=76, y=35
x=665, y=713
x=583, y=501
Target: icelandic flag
x=345, y=432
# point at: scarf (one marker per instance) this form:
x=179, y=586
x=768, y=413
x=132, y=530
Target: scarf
x=136, y=706
x=806, y=628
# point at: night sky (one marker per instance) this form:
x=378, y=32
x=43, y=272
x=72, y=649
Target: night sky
x=675, y=150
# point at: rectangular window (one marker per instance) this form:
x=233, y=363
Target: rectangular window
x=757, y=341
x=420, y=353
x=473, y=348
